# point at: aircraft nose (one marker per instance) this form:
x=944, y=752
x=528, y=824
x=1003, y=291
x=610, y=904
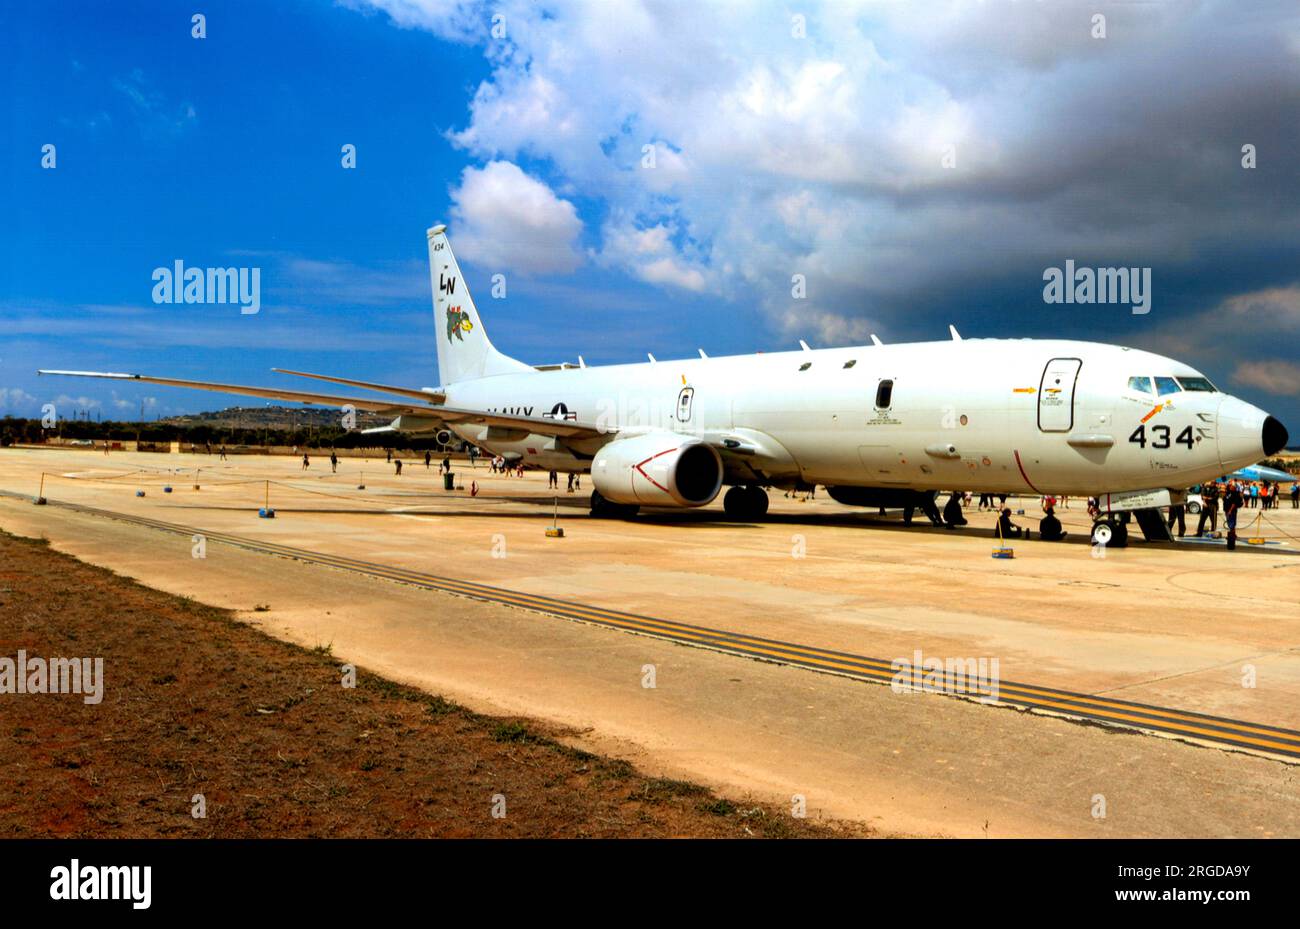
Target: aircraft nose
x=1274, y=437
x=1243, y=432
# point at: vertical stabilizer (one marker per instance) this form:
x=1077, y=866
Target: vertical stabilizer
x=464, y=350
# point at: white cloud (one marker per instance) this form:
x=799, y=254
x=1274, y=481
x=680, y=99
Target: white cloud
x=650, y=255
x=506, y=220
x=1274, y=377
x=16, y=400
x=823, y=155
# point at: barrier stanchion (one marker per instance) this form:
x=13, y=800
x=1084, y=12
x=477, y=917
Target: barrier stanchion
x=1003, y=550
x=555, y=532
x=266, y=512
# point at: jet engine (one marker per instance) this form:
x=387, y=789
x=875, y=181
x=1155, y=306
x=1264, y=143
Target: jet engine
x=657, y=469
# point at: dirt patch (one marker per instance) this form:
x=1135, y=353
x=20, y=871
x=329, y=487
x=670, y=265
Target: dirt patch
x=197, y=702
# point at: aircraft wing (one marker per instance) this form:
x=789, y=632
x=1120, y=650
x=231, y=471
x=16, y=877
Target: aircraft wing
x=540, y=425
x=270, y=393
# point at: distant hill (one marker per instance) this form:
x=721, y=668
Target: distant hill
x=274, y=417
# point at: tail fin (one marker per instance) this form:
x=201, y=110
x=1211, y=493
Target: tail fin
x=464, y=350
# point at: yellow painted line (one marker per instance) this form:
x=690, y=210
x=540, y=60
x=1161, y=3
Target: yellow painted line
x=1141, y=716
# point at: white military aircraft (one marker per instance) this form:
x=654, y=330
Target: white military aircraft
x=879, y=425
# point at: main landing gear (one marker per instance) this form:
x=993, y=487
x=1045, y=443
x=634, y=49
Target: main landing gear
x=1111, y=532
x=745, y=504
x=604, y=509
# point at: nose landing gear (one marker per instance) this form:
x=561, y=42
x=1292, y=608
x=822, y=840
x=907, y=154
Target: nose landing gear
x=1110, y=532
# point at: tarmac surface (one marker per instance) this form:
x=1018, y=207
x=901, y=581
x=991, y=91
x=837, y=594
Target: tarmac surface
x=1190, y=629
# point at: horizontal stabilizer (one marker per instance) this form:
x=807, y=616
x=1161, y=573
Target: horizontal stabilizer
x=430, y=395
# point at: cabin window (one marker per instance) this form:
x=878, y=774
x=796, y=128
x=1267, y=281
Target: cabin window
x=884, y=395
x=1142, y=384
x=805, y=366
x=850, y=363
x=1201, y=384
x=1167, y=385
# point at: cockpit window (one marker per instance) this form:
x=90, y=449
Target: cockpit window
x=1197, y=383
x=1142, y=384
x=1167, y=385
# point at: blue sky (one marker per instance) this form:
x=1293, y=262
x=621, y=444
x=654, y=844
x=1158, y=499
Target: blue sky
x=780, y=148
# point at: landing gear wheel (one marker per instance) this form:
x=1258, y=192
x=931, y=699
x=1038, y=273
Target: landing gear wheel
x=745, y=504
x=1110, y=532
x=604, y=509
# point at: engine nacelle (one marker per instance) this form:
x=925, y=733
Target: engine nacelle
x=657, y=469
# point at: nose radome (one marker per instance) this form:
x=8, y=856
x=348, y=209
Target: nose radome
x=1274, y=437
x=1240, y=428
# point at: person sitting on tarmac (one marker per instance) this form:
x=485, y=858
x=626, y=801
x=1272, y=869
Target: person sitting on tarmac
x=1005, y=528
x=952, y=514
x=927, y=507
x=1049, y=527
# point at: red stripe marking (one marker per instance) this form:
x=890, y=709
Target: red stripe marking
x=1024, y=475
x=648, y=477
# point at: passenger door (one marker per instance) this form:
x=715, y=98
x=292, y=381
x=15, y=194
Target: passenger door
x=1056, y=395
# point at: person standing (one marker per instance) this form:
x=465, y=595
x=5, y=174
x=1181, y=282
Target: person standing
x=1295, y=495
x=1232, y=501
x=306, y=462
x=553, y=482
x=1209, y=508
x=334, y=462
x=397, y=465
x=428, y=459
x=1176, y=514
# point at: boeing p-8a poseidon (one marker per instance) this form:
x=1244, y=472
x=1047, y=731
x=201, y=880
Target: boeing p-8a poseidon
x=879, y=425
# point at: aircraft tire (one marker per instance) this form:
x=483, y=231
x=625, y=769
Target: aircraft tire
x=604, y=509
x=758, y=501
x=1109, y=532
x=735, y=502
